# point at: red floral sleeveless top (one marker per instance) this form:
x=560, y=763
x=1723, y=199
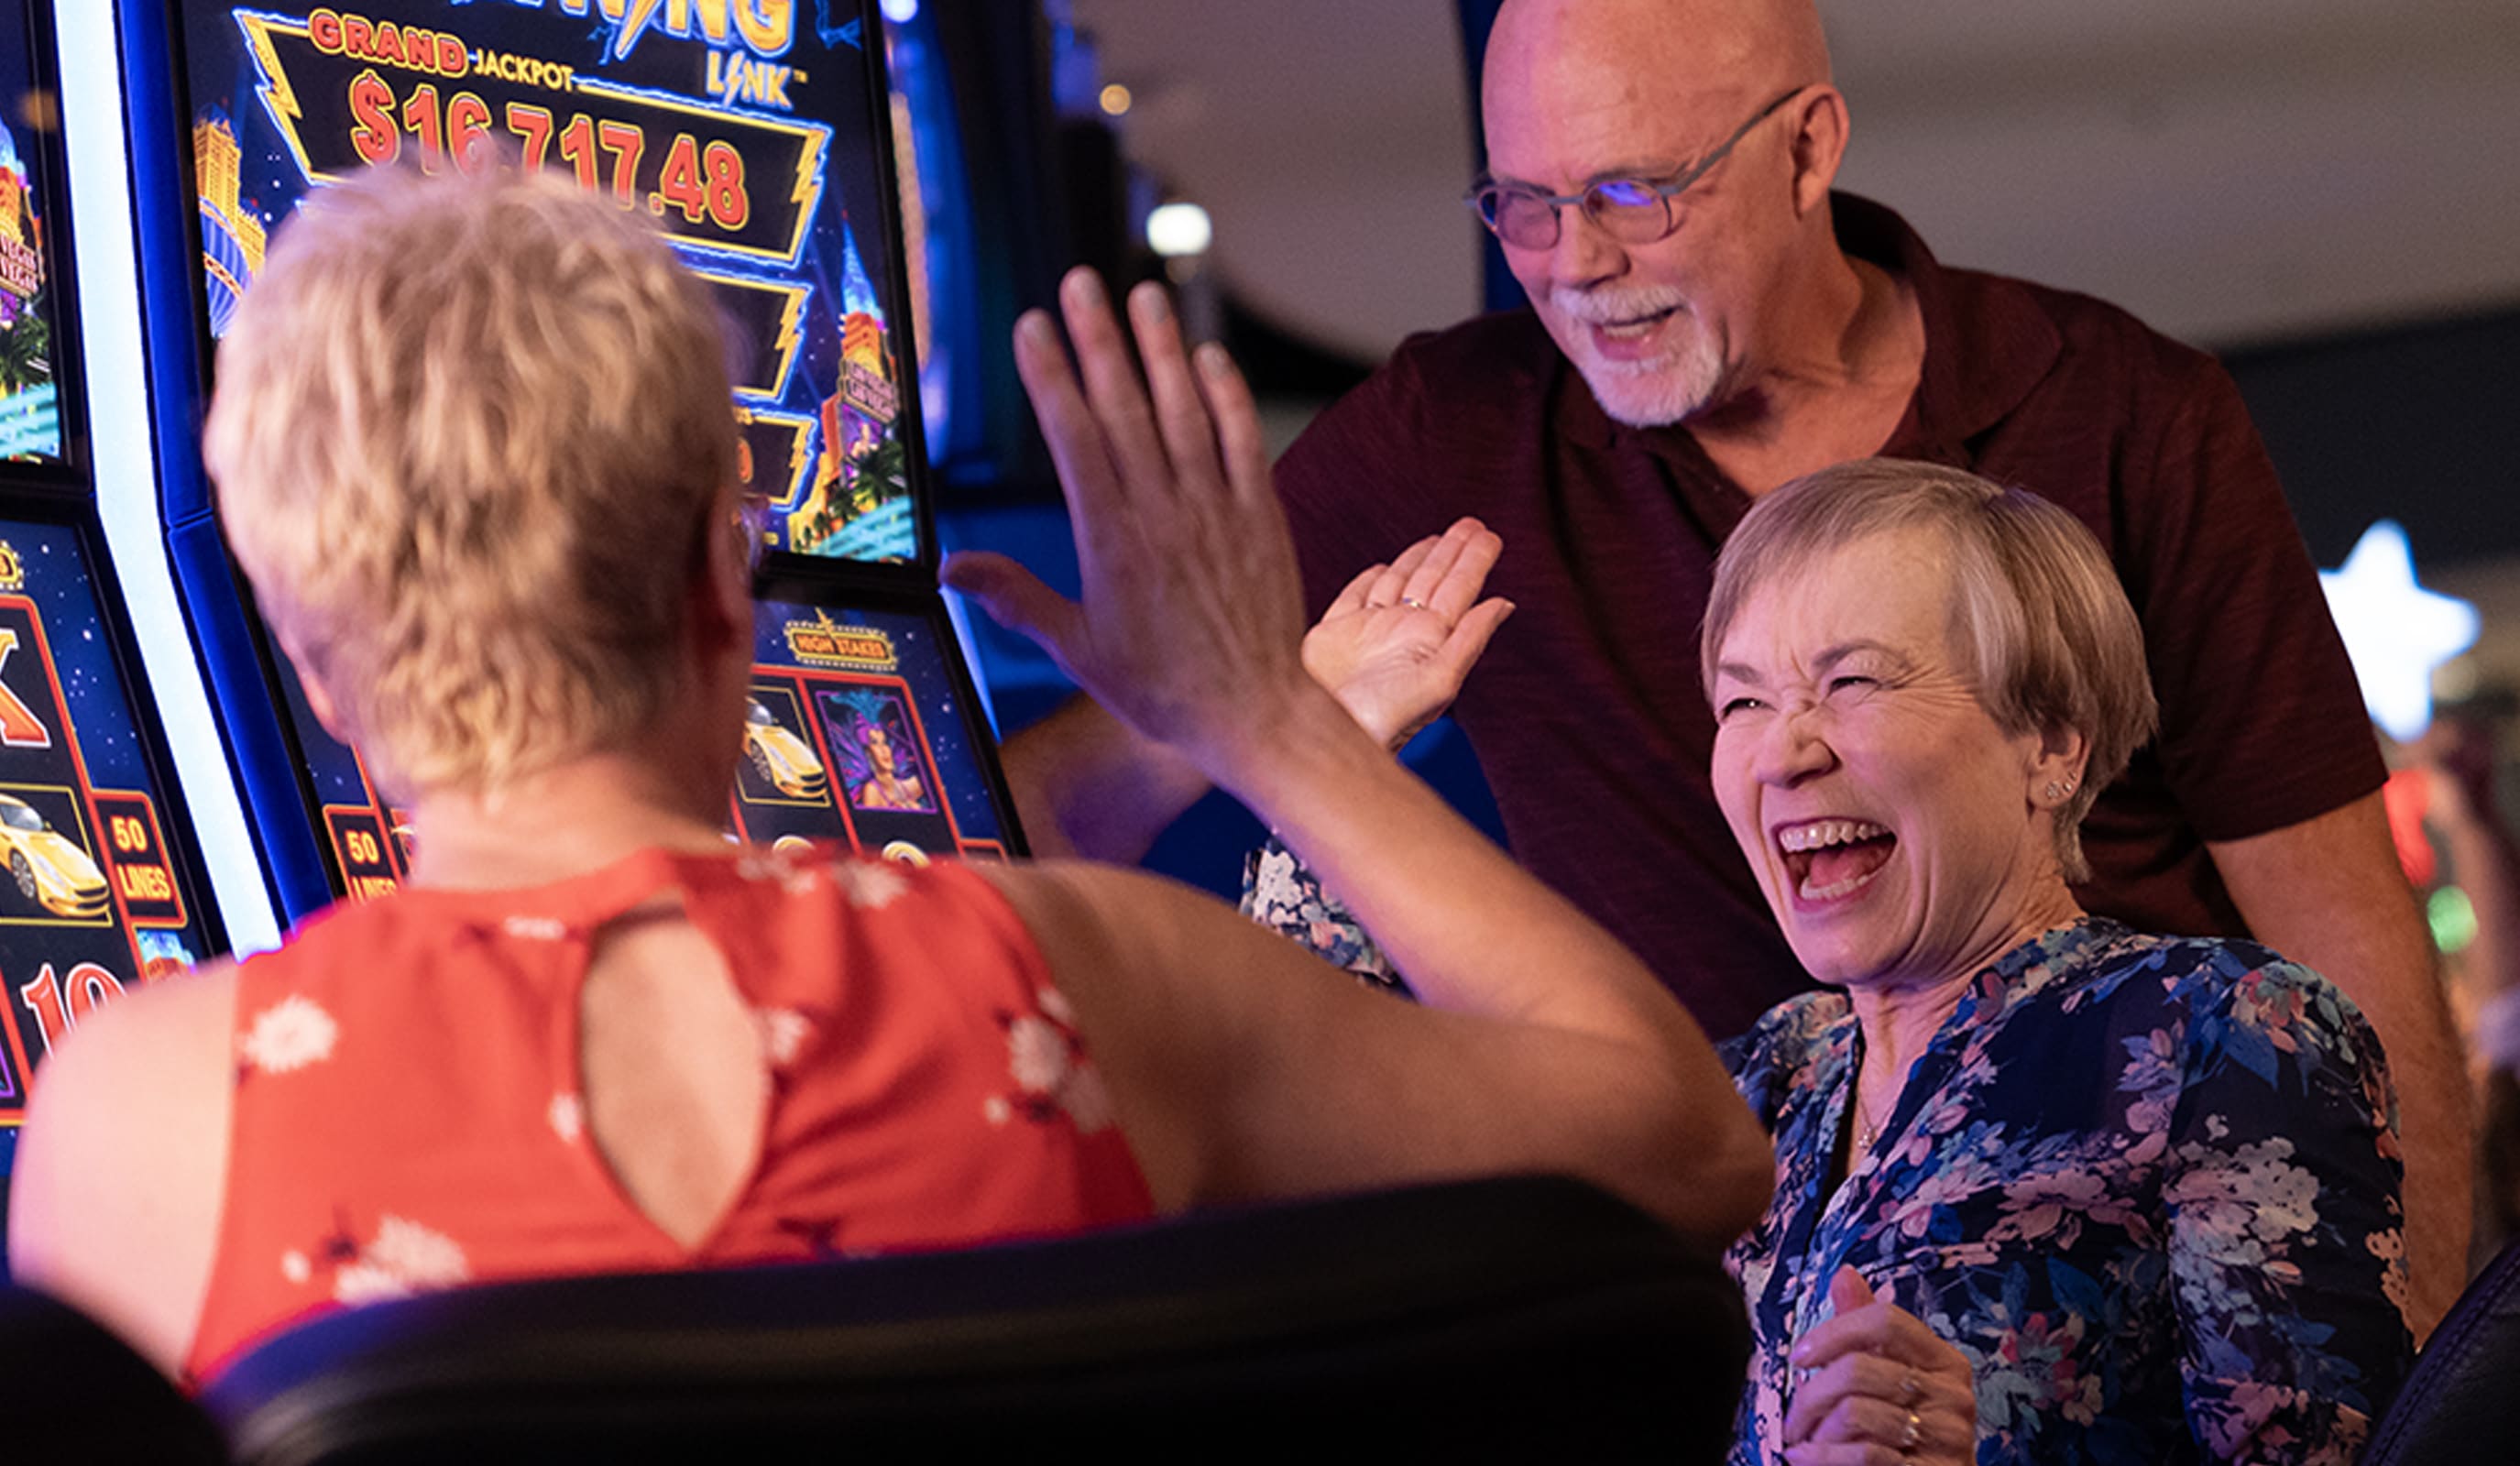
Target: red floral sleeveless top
x=408, y=1113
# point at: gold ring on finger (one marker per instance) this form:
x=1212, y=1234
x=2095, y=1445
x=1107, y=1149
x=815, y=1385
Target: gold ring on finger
x=1914, y=1432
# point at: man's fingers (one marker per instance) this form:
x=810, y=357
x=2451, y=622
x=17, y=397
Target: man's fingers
x=1111, y=385
x=1016, y=599
x=1181, y=411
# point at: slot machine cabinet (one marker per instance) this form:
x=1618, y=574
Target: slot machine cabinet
x=757, y=137
x=102, y=884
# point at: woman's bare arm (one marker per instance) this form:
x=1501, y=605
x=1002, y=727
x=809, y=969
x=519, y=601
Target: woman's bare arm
x=1242, y=1068
x=1542, y=1030
x=113, y=1204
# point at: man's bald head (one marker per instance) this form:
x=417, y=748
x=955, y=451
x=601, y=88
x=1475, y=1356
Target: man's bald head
x=1666, y=325
x=1709, y=51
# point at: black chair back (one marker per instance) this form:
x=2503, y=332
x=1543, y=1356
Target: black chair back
x=2462, y=1405
x=73, y=1394
x=1482, y=1320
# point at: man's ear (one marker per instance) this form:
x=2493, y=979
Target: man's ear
x=1818, y=132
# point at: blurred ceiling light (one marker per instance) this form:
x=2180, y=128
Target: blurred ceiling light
x=901, y=12
x=2395, y=630
x=1175, y=230
x=1116, y=99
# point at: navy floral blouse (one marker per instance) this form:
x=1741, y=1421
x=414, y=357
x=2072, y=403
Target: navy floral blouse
x=2148, y=1186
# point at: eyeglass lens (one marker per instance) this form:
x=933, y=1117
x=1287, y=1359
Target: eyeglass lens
x=1627, y=210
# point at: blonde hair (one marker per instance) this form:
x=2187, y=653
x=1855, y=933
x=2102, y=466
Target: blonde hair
x=471, y=439
x=2039, y=619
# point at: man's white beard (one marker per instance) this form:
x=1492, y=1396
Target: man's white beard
x=1653, y=392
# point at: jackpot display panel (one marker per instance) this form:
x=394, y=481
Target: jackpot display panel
x=754, y=133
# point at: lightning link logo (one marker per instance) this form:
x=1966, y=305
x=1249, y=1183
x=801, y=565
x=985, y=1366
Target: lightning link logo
x=766, y=27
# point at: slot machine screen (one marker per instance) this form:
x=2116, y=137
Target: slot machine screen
x=752, y=132
x=32, y=399
x=863, y=730
x=92, y=898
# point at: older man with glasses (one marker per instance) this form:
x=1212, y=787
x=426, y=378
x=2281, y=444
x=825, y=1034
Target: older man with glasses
x=1708, y=321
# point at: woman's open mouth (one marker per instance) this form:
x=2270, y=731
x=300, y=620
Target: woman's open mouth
x=1831, y=858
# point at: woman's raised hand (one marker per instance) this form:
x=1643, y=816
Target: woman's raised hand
x=1395, y=645
x=1191, y=617
x=1879, y=1388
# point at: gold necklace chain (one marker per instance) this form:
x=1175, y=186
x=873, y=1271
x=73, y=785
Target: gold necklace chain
x=1865, y=1131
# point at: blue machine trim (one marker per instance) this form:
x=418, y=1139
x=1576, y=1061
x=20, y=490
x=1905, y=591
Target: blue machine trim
x=231, y=648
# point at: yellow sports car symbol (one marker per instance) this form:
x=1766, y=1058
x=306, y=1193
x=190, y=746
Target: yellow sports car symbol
x=779, y=757
x=50, y=872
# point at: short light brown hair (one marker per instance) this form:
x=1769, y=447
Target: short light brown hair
x=471, y=436
x=2041, y=626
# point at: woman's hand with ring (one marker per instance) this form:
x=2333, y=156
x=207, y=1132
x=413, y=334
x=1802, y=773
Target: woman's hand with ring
x=1879, y=1388
x=1395, y=645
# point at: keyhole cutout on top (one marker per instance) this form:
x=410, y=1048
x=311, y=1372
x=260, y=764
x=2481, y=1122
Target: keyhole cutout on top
x=677, y=1086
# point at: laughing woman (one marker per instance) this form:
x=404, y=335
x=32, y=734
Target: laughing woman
x=2047, y=1189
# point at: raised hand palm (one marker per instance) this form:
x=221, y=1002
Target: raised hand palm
x=1397, y=644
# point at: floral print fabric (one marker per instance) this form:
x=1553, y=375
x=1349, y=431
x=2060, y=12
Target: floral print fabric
x=1279, y=893
x=2148, y=1186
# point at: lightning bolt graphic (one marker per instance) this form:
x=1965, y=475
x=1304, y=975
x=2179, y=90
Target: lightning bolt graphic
x=634, y=23
x=791, y=324
x=809, y=175
x=797, y=456
x=278, y=97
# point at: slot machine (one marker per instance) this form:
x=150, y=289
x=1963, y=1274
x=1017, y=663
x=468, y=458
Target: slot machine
x=102, y=877
x=756, y=134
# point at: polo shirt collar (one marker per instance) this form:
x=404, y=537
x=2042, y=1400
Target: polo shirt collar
x=1986, y=344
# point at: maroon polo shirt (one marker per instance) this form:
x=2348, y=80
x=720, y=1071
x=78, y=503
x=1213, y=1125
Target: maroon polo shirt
x=1587, y=715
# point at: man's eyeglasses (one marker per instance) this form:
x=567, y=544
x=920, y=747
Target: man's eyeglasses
x=1630, y=210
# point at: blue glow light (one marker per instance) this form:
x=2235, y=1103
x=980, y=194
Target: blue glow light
x=125, y=454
